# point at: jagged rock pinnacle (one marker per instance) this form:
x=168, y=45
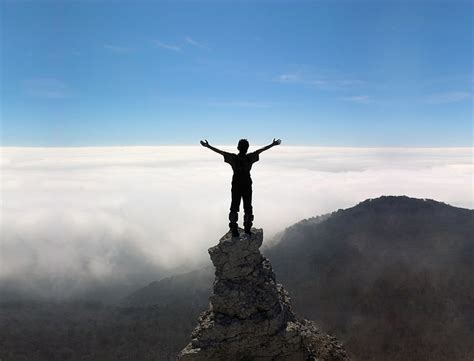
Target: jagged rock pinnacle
x=249, y=316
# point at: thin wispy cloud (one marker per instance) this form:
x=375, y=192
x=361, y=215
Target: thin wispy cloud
x=196, y=44
x=292, y=78
x=289, y=78
x=162, y=45
x=322, y=80
x=349, y=82
x=238, y=104
x=448, y=97
x=465, y=79
x=220, y=103
x=360, y=99
x=118, y=49
x=49, y=88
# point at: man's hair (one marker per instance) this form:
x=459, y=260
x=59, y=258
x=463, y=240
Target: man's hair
x=243, y=145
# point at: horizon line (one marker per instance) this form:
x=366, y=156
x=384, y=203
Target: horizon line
x=234, y=145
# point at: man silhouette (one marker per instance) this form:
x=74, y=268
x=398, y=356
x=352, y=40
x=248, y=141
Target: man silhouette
x=241, y=164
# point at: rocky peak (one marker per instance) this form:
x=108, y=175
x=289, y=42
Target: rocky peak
x=249, y=315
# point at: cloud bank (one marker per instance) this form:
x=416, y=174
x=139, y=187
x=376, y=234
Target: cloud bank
x=75, y=218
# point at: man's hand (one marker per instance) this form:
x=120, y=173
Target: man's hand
x=272, y=144
x=206, y=144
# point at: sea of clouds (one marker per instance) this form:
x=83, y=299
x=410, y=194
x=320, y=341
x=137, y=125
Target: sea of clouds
x=75, y=218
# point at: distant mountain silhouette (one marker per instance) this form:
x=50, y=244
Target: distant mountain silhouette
x=194, y=287
x=393, y=277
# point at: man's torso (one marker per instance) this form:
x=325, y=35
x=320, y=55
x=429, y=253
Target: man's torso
x=241, y=165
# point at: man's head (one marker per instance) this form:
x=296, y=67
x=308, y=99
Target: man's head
x=243, y=146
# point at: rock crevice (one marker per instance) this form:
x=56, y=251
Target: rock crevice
x=250, y=316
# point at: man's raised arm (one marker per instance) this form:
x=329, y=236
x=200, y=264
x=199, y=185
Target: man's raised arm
x=275, y=142
x=206, y=144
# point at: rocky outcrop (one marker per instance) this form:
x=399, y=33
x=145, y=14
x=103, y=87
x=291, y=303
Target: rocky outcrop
x=250, y=317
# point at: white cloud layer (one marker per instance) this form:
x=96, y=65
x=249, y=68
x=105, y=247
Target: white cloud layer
x=125, y=213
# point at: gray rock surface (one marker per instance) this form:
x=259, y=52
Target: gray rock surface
x=250, y=316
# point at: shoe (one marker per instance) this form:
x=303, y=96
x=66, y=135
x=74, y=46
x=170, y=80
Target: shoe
x=248, y=231
x=235, y=232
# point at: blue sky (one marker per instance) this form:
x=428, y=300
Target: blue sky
x=312, y=73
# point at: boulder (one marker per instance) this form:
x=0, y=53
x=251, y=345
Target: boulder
x=250, y=316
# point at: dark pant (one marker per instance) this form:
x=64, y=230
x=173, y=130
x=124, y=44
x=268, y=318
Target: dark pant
x=244, y=192
x=241, y=191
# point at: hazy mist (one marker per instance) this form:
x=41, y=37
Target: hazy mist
x=73, y=219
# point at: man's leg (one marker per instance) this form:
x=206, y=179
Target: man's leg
x=248, y=215
x=234, y=209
